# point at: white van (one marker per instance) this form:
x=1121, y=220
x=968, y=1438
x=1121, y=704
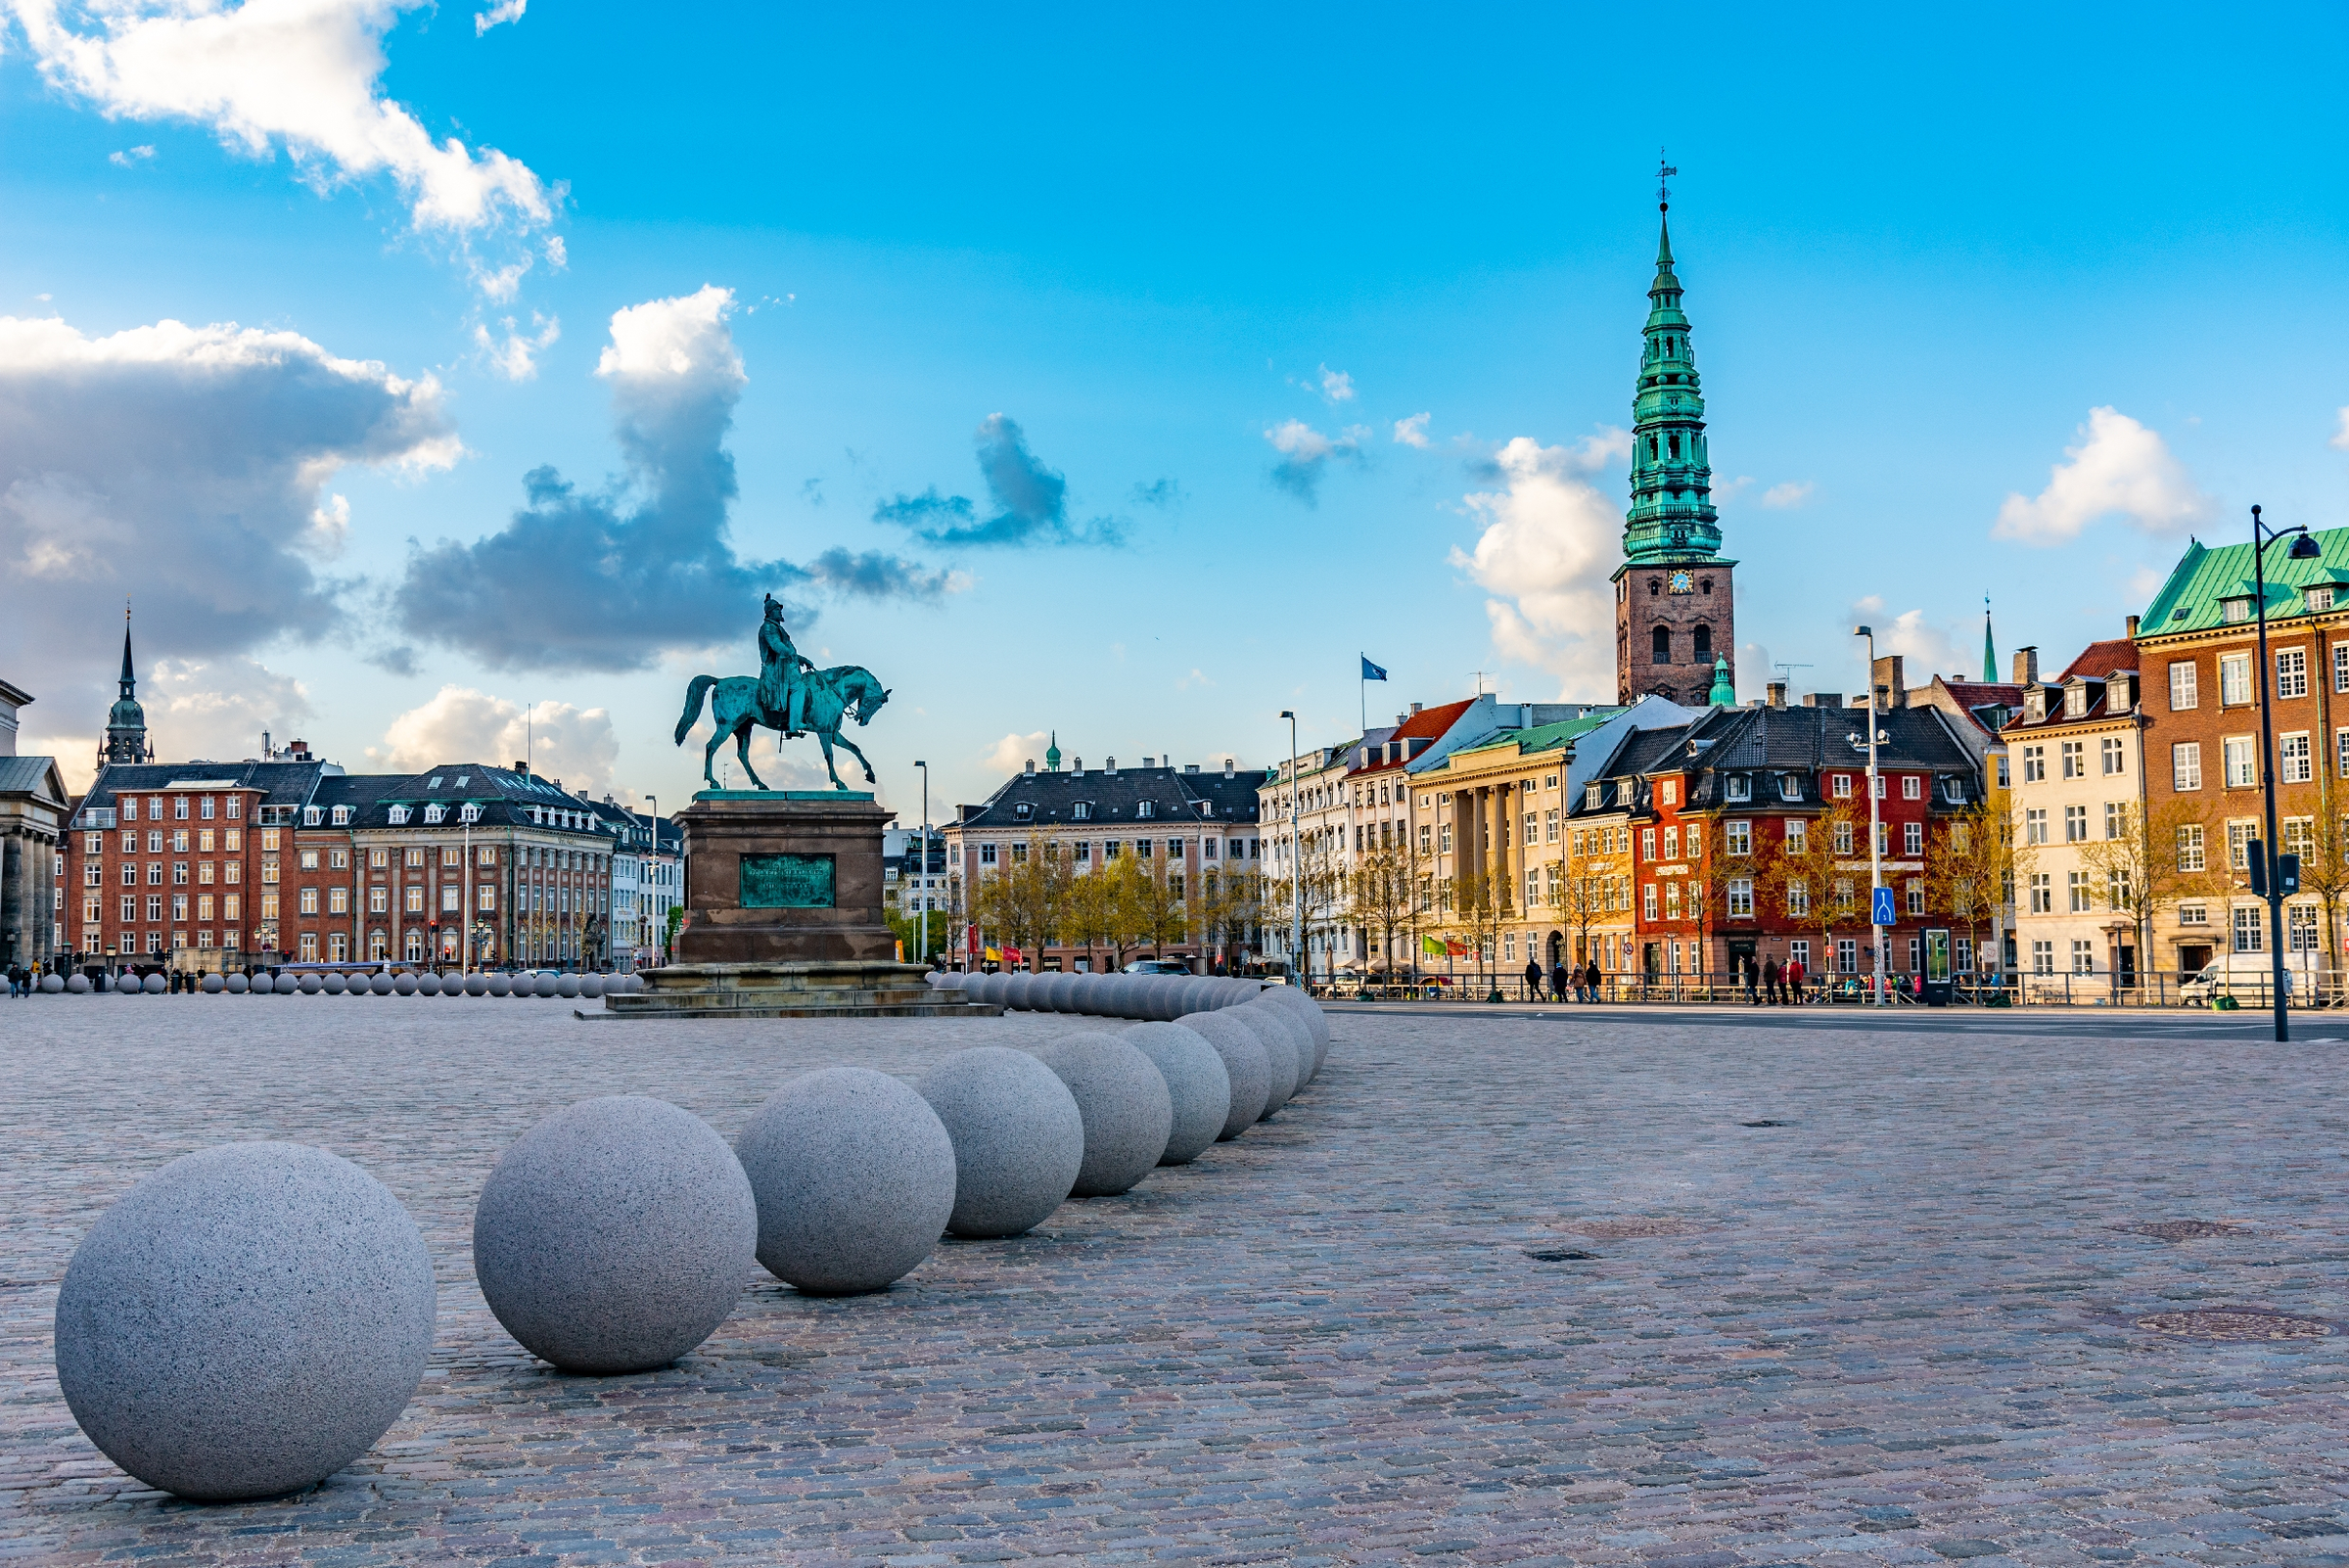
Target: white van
x=2246, y=977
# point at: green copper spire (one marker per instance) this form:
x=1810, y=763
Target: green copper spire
x=1672, y=516
x=1052, y=755
x=1990, y=653
x=1723, y=694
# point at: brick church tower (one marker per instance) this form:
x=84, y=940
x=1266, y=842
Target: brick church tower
x=1675, y=631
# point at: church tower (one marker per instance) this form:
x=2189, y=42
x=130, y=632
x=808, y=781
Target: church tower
x=126, y=721
x=1675, y=615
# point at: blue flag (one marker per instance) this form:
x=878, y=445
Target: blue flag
x=1371, y=671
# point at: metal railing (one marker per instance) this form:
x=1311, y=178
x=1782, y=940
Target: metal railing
x=2250, y=992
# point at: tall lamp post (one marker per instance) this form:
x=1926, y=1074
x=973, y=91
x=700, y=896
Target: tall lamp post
x=921, y=939
x=2266, y=865
x=652, y=863
x=1296, y=858
x=1875, y=856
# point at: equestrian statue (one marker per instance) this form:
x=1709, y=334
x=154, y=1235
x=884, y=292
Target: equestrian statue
x=789, y=694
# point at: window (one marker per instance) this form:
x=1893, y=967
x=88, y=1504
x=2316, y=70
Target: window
x=235, y=806
x=1847, y=954
x=1672, y=900
x=2299, y=836
x=2042, y=957
x=2250, y=933
x=2116, y=819
x=2234, y=679
x=2112, y=748
x=414, y=858
x=1912, y=787
x=1533, y=829
x=2291, y=672
x=1741, y=898
x=2193, y=914
x=309, y=860
x=1671, y=843
x=2340, y=666
x=415, y=900
x=1738, y=787
x=485, y=898
x=2241, y=767
x=310, y=901
x=1145, y=808
x=1790, y=787
x=1798, y=898
x=2035, y=764
x=1917, y=904
x=484, y=855
x=2076, y=892
x=2075, y=700
x=2083, y=956
x=2318, y=600
x=1912, y=838
x=1843, y=838
x=379, y=901
x=2293, y=761
x=2234, y=608
x=1879, y=789
x=1843, y=893
x=2239, y=839
x=2075, y=824
x=1647, y=900
x=1740, y=837
x=2300, y=929
x=2043, y=892
x=2189, y=848
x=451, y=897
x=398, y=815
x=1842, y=786
x=2035, y=825
x=2075, y=760
x=1669, y=791
x=2186, y=762
x=2004, y=782
x=1550, y=826
x=338, y=901
x=1798, y=836
x=1647, y=844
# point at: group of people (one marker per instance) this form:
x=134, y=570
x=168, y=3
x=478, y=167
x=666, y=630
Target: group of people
x=1581, y=981
x=1775, y=985
x=21, y=982
x=1768, y=984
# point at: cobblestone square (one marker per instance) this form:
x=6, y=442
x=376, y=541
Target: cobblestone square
x=1589, y=1288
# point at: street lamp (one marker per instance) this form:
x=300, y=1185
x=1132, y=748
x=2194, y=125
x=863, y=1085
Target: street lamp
x=2265, y=864
x=1876, y=857
x=1296, y=857
x=922, y=937
x=653, y=864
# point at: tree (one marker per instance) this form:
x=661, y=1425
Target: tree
x=1380, y=892
x=1591, y=881
x=1022, y=902
x=1157, y=894
x=1971, y=865
x=1807, y=874
x=2157, y=858
x=1228, y=904
x=1479, y=908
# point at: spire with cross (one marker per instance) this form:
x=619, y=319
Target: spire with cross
x=1664, y=173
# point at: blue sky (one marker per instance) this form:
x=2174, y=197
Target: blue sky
x=1182, y=284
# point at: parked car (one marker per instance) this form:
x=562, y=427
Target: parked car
x=1157, y=966
x=2246, y=976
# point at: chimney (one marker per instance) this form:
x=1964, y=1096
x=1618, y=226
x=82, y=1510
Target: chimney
x=1190, y=768
x=1415, y=710
x=1077, y=765
x=1149, y=761
x=1889, y=683
x=2133, y=629
x=1823, y=699
x=524, y=768
x=2026, y=667
x=1032, y=766
x=1777, y=693
x=1228, y=767
x=1109, y=764
x=267, y=756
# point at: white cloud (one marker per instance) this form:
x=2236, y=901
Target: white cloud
x=218, y=707
x=1793, y=492
x=2340, y=438
x=1306, y=454
x=301, y=74
x=460, y=724
x=1011, y=754
x=187, y=465
x=130, y=157
x=517, y=357
x=1927, y=649
x=1195, y=678
x=503, y=11
x=2118, y=468
x=1413, y=432
x=1550, y=543
x=330, y=527
x=1336, y=386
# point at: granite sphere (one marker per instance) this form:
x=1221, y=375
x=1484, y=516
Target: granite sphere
x=497, y=983
x=1308, y=1012
x=615, y=1235
x=214, y=985
x=246, y=1322
x=1285, y=1046
x=234, y=984
x=542, y=984
x=1119, y=994
x=1196, y=1082
x=378, y=985
x=567, y=984
x=154, y=984
x=591, y=986
x=1247, y=1067
x=1017, y=1137
x=1019, y=992
x=428, y=984
x=855, y=1178
x=336, y=984
x=1129, y=1115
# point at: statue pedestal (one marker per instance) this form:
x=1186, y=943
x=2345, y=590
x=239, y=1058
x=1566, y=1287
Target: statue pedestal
x=783, y=916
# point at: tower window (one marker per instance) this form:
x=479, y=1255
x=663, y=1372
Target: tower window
x=1654, y=447
x=1661, y=644
x=1704, y=643
x=1655, y=585
x=1673, y=446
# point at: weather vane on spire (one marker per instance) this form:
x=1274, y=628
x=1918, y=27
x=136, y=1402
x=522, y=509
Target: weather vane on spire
x=1664, y=172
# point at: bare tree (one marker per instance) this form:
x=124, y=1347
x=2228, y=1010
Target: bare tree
x=1807, y=874
x=2155, y=859
x=1380, y=892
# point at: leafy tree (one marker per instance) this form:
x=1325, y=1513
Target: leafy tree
x=1594, y=881
x=1970, y=867
x=1808, y=874
x=1379, y=893
x=1021, y=904
x=2157, y=858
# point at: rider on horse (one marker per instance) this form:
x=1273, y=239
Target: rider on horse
x=782, y=689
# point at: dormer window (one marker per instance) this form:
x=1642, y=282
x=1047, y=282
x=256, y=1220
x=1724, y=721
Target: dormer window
x=1737, y=787
x=1591, y=793
x=469, y=812
x=2235, y=610
x=1023, y=810
x=311, y=815
x=1790, y=788
x=1146, y=808
x=1082, y=811
x=399, y=815
x=341, y=816
x=433, y=812
x=1952, y=790
x=2318, y=600
x=2035, y=706
x=2075, y=702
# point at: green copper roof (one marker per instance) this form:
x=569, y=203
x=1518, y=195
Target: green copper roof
x=1541, y=737
x=2190, y=601
x=1723, y=694
x=1672, y=516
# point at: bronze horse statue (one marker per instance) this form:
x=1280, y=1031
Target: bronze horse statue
x=833, y=696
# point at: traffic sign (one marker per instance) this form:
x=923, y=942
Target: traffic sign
x=1880, y=911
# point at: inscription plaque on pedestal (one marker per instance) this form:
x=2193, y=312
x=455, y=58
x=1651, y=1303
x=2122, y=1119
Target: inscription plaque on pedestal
x=788, y=882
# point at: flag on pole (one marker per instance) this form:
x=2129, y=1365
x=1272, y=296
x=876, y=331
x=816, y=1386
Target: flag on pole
x=1371, y=671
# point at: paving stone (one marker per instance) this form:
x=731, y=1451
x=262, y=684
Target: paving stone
x=1901, y=1329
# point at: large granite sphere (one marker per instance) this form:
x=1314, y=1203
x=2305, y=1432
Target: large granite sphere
x=1156, y=993
x=154, y=984
x=378, y=985
x=1084, y=996
x=246, y=1322
x=336, y=984
x=1308, y=1011
x=498, y=984
x=234, y=984
x=615, y=1235
x=403, y=985
x=855, y=1178
x=1018, y=991
x=312, y=985
x=1117, y=996
x=1196, y=1082
x=545, y=985
x=1284, y=1045
x=567, y=984
x=476, y=984
x=214, y=985
x=1060, y=994
x=1247, y=1067
x=1129, y=1115
x=591, y=986
x=78, y=982
x=1017, y=1137
x=428, y=984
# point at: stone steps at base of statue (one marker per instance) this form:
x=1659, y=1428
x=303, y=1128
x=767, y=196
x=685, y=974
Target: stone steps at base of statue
x=788, y=988
x=715, y=1008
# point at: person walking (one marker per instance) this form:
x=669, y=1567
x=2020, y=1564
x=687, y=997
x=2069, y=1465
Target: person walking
x=1771, y=981
x=1594, y=980
x=1533, y=979
x=1794, y=982
x=15, y=981
x=1558, y=980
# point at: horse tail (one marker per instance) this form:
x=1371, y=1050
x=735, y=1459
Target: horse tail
x=694, y=693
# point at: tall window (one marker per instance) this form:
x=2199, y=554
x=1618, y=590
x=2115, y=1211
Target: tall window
x=2186, y=762
x=1740, y=837
x=2042, y=957
x=2035, y=764
x=2250, y=929
x=2075, y=886
x=2190, y=847
x=1741, y=898
x=2075, y=824
x=2075, y=759
x=2116, y=819
x=2242, y=771
x=1912, y=838
x=2291, y=672
x=2043, y=892
x=2234, y=679
x=2035, y=825
x=2112, y=755
x=2292, y=759
x=1843, y=838
x=1798, y=898
x=2083, y=956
